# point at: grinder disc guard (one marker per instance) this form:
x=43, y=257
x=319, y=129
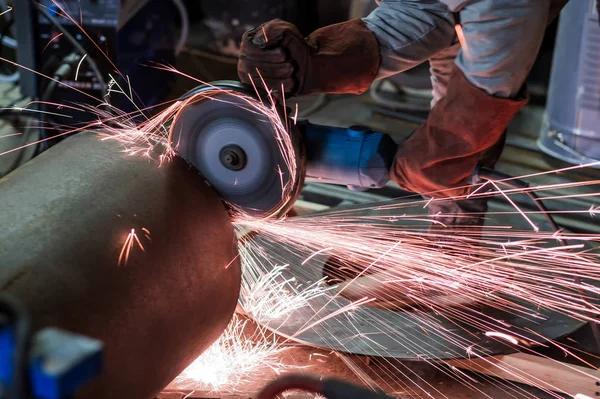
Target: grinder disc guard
x=236, y=149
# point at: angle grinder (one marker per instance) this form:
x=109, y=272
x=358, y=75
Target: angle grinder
x=238, y=150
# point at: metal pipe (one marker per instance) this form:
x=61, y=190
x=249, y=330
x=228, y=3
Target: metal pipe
x=65, y=218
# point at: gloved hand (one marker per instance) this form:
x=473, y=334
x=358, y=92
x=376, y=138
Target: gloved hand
x=440, y=156
x=336, y=59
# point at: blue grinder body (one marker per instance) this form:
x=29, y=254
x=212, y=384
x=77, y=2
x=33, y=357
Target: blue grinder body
x=356, y=157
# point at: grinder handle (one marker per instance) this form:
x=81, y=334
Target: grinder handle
x=356, y=157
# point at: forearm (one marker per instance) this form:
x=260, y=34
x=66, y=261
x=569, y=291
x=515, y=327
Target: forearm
x=409, y=32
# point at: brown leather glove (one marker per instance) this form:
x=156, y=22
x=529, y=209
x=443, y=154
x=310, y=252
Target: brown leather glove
x=336, y=59
x=440, y=156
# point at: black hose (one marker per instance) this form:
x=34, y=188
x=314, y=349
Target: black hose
x=19, y=321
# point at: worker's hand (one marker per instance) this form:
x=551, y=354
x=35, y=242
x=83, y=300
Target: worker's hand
x=439, y=158
x=340, y=58
x=275, y=52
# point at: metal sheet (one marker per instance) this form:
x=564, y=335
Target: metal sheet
x=410, y=334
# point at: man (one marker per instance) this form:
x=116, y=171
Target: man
x=478, y=78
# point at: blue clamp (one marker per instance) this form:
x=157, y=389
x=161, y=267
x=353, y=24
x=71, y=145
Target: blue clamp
x=60, y=362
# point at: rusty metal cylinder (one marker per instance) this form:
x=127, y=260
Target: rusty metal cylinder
x=68, y=216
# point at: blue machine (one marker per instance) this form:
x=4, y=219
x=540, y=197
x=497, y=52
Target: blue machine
x=60, y=362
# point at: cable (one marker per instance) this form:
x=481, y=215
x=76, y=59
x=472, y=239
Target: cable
x=375, y=93
x=509, y=181
x=20, y=322
x=64, y=70
x=185, y=26
x=319, y=103
x=75, y=44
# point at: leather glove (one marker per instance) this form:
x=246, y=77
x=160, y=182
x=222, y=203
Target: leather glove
x=440, y=156
x=336, y=59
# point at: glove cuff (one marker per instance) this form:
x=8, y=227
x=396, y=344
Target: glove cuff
x=344, y=59
x=441, y=155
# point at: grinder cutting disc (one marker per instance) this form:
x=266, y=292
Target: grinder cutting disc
x=236, y=150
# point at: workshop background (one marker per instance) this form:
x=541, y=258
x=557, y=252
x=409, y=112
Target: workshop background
x=201, y=39
x=395, y=106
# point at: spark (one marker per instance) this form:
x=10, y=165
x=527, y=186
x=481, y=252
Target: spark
x=11, y=135
x=8, y=9
x=495, y=272
x=265, y=34
x=315, y=254
x=245, y=350
x=79, y=66
x=231, y=262
x=503, y=336
x=518, y=277
x=51, y=41
x=35, y=111
x=271, y=296
x=462, y=40
x=57, y=105
x=128, y=245
x=428, y=202
x=233, y=359
x=295, y=118
x=515, y=277
x=91, y=40
x=130, y=90
x=533, y=225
